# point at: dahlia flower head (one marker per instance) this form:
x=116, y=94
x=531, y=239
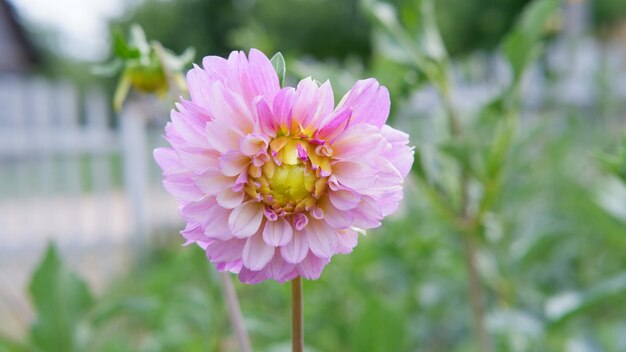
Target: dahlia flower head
x=274, y=182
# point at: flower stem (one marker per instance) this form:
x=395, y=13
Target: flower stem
x=236, y=318
x=476, y=295
x=297, y=331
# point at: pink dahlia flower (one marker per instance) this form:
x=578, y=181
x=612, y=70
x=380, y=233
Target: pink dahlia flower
x=273, y=182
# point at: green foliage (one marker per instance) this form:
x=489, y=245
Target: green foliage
x=278, y=61
x=62, y=301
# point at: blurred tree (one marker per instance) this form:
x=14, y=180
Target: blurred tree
x=322, y=28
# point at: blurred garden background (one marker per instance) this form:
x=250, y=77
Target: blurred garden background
x=538, y=89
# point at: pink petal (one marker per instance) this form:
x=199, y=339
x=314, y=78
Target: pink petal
x=344, y=199
x=312, y=103
x=256, y=253
x=369, y=101
x=367, y=215
x=346, y=240
x=334, y=217
x=253, y=144
x=222, y=137
x=245, y=220
x=212, y=182
x=233, y=163
x=266, y=118
x=311, y=267
x=263, y=76
x=283, y=105
x=295, y=251
x=322, y=239
x=279, y=270
x=199, y=83
x=168, y=160
x=400, y=154
x=182, y=187
x=354, y=175
x=225, y=251
x=277, y=233
x=193, y=233
x=250, y=277
x=230, y=109
x=229, y=199
x=300, y=220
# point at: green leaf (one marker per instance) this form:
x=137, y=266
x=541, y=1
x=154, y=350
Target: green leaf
x=522, y=44
x=61, y=300
x=121, y=48
x=108, y=69
x=278, y=61
x=568, y=305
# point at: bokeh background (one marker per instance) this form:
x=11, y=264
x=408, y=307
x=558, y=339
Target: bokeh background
x=551, y=257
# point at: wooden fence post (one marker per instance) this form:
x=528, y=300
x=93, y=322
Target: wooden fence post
x=135, y=169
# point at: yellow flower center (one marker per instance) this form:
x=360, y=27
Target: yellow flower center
x=290, y=181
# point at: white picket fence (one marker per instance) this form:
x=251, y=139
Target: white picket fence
x=68, y=175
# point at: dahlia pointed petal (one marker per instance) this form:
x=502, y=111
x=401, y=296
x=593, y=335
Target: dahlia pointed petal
x=369, y=101
x=263, y=76
x=283, y=106
x=230, y=108
x=295, y=251
x=267, y=123
x=400, y=154
x=182, y=187
x=277, y=233
x=168, y=160
x=257, y=253
x=322, y=238
x=245, y=220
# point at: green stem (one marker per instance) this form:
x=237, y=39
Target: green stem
x=467, y=225
x=297, y=324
